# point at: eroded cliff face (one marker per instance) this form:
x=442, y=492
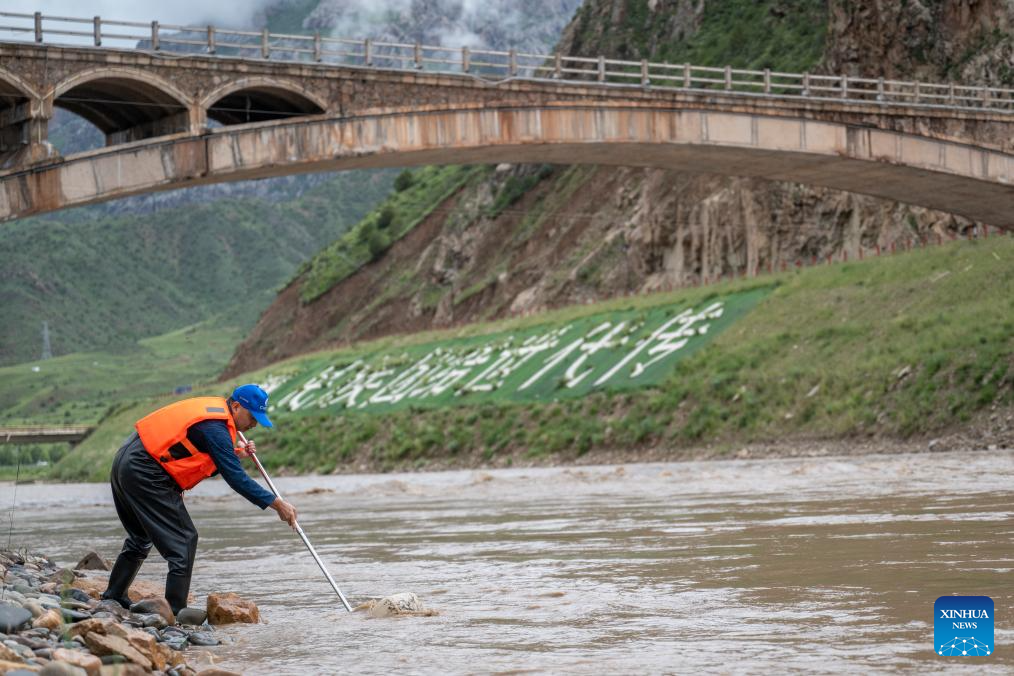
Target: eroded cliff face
x=587, y=233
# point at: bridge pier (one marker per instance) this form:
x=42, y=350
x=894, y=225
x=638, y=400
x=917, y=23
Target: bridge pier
x=24, y=134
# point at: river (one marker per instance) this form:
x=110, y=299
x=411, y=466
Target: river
x=788, y=565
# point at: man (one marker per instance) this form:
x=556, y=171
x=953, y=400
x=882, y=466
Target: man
x=172, y=450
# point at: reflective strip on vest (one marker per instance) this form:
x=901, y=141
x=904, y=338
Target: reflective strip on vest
x=168, y=426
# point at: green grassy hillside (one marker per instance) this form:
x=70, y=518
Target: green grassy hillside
x=896, y=346
x=103, y=283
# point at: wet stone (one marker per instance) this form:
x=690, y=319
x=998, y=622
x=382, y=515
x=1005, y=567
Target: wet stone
x=74, y=615
x=191, y=616
x=75, y=594
x=177, y=642
x=12, y=617
x=203, y=638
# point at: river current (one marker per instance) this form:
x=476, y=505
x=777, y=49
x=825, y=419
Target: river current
x=823, y=565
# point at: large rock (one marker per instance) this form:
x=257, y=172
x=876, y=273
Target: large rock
x=191, y=616
x=7, y=667
x=12, y=617
x=114, y=645
x=92, y=561
x=229, y=607
x=89, y=663
x=405, y=603
x=154, y=604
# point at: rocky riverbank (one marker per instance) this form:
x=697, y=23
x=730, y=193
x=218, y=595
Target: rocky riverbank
x=53, y=623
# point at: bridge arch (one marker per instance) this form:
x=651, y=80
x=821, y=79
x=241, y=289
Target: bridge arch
x=958, y=178
x=125, y=104
x=260, y=99
x=14, y=90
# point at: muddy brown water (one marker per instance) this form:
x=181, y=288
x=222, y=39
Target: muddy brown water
x=813, y=566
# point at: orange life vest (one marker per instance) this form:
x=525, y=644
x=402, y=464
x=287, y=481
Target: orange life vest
x=164, y=435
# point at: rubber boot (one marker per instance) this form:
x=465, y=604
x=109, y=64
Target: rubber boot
x=123, y=574
x=177, y=589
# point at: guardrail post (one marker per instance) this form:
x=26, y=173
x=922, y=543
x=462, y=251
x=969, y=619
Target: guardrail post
x=806, y=84
x=466, y=60
x=512, y=58
x=728, y=77
x=918, y=92
x=317, y=51
x=38, y=26
x=767, y=80
x=602, y=68
x=97, y=30
x=686, y=76
x=844, y=86
x=154, y=35
x=985, y=97
x=418, y=56
x=880, y=89
x=211, y=39
x=265, y=45
x=950, y=94
x=558, y=66
x=367, y=52
x=644, y=73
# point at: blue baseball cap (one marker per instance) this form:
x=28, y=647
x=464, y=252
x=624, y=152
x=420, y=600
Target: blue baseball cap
x=254, y=399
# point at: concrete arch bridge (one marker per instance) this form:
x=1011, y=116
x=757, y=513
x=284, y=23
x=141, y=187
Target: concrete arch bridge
x=179, y=120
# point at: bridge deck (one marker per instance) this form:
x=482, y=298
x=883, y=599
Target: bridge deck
x=44, y=434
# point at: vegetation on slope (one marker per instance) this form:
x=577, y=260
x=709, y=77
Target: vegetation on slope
x=417, y=193
x=899, y=346
x=105, y=282
x=784, y=35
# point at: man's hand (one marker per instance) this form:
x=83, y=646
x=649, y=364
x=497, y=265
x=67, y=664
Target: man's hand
x=286, y=512
x=247, y=451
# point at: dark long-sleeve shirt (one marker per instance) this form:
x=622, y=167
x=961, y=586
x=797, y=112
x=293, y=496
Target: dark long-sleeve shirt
x=212, y=437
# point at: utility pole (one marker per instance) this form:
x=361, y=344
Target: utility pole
x=47, y=350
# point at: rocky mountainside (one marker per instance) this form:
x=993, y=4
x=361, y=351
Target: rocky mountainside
x=569, y=235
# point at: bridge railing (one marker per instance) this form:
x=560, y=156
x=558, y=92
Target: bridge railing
x=495, y=65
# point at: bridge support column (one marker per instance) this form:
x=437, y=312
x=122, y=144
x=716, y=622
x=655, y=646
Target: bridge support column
x=24, y=133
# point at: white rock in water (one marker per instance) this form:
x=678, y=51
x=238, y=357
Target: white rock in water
x=405, y=603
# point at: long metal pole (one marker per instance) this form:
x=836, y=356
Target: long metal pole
x=306, y=540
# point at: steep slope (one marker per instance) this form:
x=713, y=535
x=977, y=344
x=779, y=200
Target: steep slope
x=578, y=234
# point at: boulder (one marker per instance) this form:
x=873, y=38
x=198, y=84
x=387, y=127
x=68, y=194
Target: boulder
x=191, y=616
x=8, y=667
x=405, y=603
x=154, y=604
x=51, y=619
x=92, y=561
x=12, y=617
x=229, y=607
x=89, y=663
x=114, y=645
